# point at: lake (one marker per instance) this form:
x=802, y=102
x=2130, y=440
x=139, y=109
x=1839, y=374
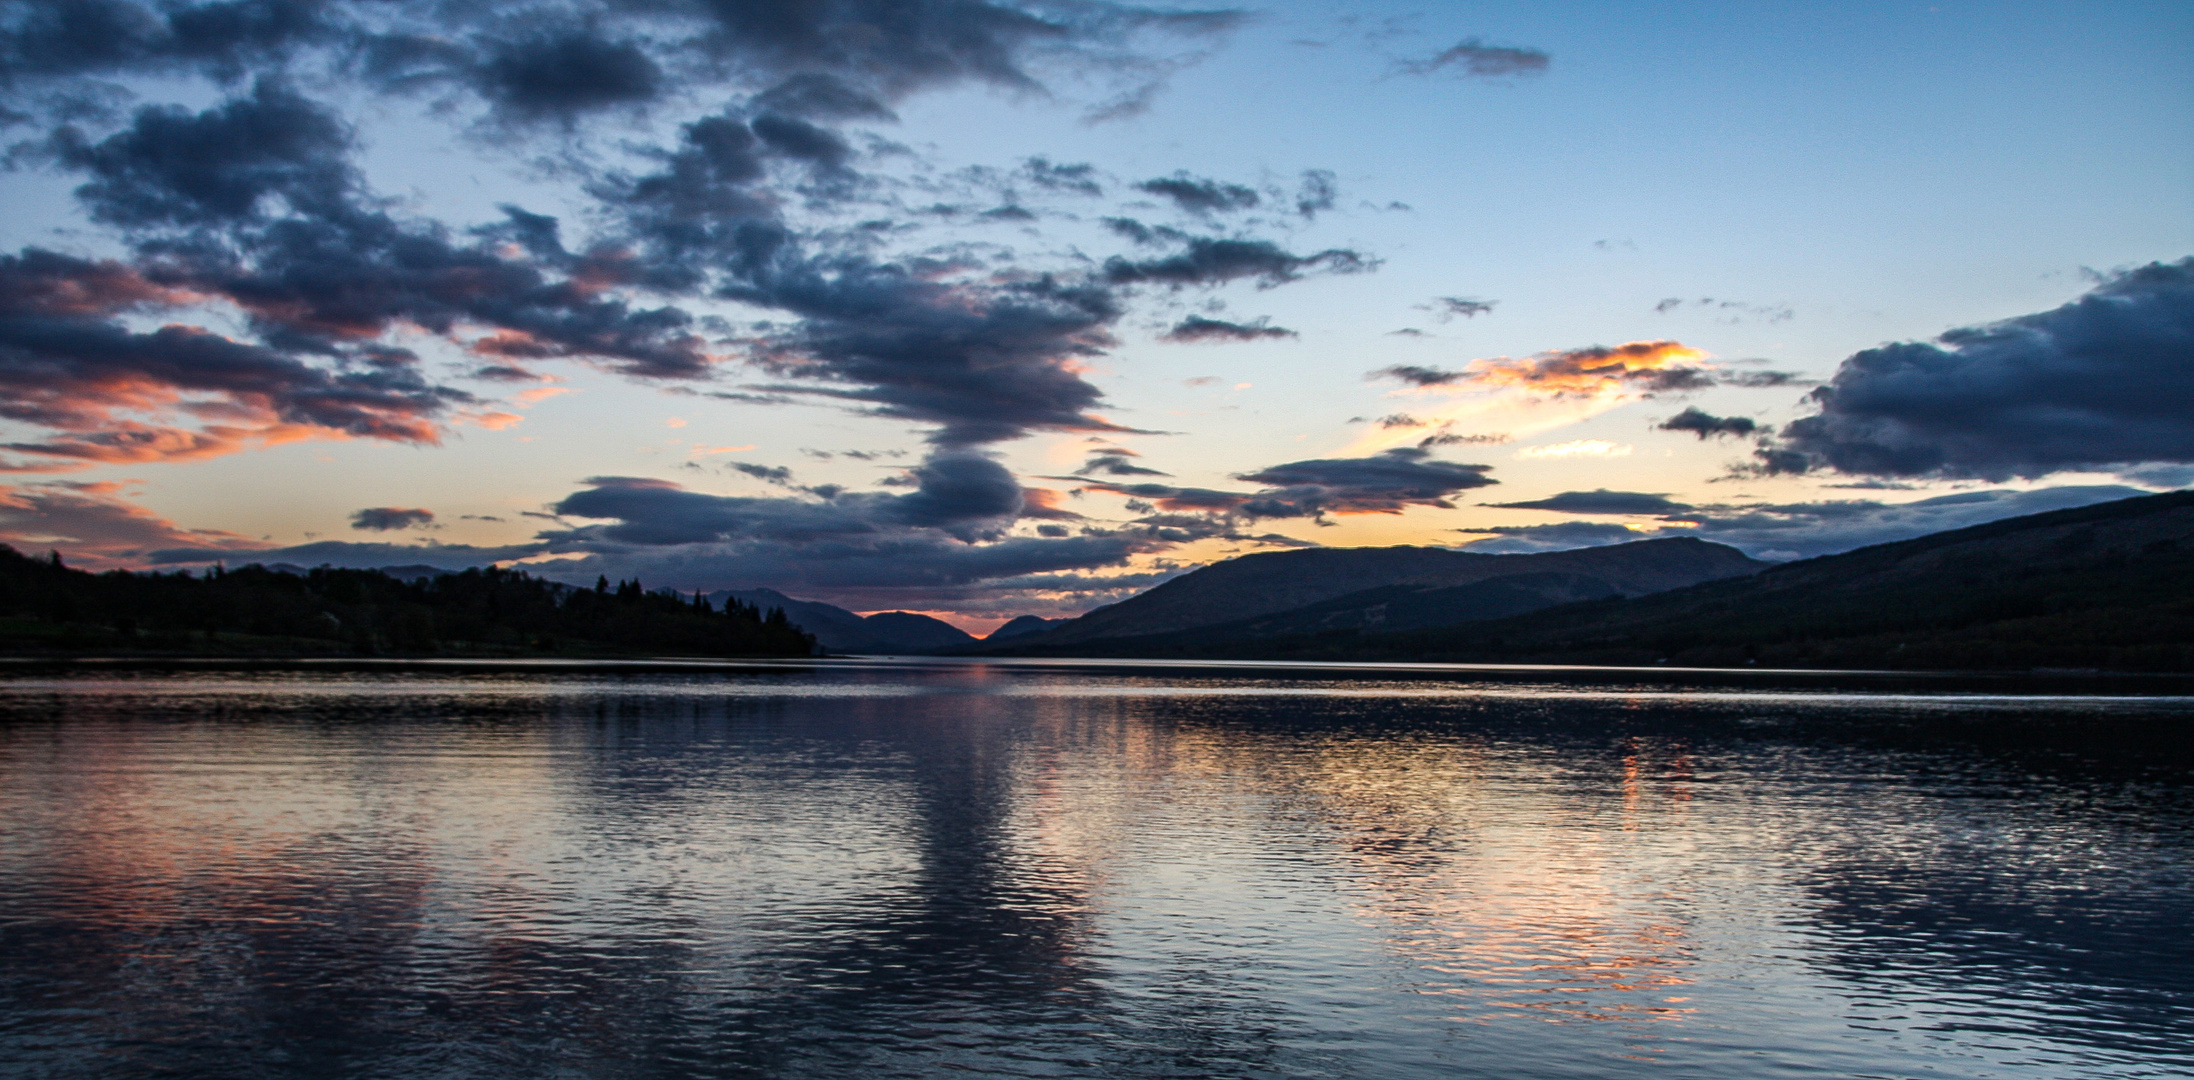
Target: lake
x=1118, y=870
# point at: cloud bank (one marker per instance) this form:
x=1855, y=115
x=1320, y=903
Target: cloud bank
x=2103, y=382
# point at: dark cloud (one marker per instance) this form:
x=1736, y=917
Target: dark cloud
x=964, y=496
x=2106, y=380
x=1318, y=192
x=1451, y=438
x=101, y=37
x=1385, y=483
x=1706, y=425
x=1209, y=261
x=1763, y=380
x=566, y=72
x=1601, y=501
x=1473, y=58
x=802, y=140
x=1114, y=461
x=1079, y=178
x=1447, y=308
x=1197, y=328
x=982, y=363
x=1416, y=375
x=1199, y=195
x=224, y=165
x=768, y=474
x=821, y=97
x=390, y=518
x=256, y=201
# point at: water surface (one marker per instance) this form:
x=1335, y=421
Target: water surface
x=1118, y=871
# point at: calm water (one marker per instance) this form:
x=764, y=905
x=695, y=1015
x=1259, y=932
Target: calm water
x=917, y=871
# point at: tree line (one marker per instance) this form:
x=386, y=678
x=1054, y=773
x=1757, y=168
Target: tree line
x=46, y=606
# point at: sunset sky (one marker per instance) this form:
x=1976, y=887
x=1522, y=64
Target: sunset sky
x=986, y=309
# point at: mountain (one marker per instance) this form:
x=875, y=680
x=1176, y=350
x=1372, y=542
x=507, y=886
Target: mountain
x=842, y=631
x=2106, y=586
x=906, y=631
x=1365, y=588
x=1023, y=627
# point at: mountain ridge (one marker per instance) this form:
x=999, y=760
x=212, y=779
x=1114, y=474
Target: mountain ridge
x=2106, y=586
x=1272, y=583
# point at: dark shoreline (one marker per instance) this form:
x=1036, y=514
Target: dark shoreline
x=2017, y=683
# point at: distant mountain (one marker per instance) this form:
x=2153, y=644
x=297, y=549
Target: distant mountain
x=1384, y=588
x=2107, y=586
x=1023, y=627
x=909, y=632
x=842, y=631
x=412, y=572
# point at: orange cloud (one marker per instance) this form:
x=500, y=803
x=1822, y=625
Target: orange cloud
x=1596, y=371
x=130, y=442
x=97, y=530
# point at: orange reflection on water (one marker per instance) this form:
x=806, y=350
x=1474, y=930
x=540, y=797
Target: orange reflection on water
x=1504, y=892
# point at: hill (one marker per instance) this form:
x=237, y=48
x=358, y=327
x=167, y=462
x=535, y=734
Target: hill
x=842, y=631
x=1330, y=588
x=1022, y=627
x=2107, y=586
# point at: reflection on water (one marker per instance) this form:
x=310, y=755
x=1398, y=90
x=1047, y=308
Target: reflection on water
x=931, y=869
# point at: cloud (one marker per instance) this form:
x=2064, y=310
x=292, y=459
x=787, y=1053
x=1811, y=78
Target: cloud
x=964, y=496
x=1731, y=311
x=1646, y=366
x=1318, y=192
x=567, y=71
x=1821, y=528
x=1416, y=375
x=223, y=165
x=1473, y=58
x=69, y=363
x=1212, y=261
x=815, y=96
x=2106, y=380
x=1114, y=461
x=1801, y=530
x=1448, y=308
x=1196, y=328
x=1601, y=501
x=1199, y=195
x=1561, y=536
x=1638, y=367
x=946, y=540
x=1386, y=483
x=97, y=528
x=768, y=474
x=255, y=203
x=1707, y=426
x=390, y=519
x=1574, y=449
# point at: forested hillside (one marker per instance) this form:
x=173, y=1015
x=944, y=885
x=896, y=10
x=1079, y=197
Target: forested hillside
x=46, y=607
x=2108, y=586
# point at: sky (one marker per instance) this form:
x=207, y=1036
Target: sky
x=982, y=308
